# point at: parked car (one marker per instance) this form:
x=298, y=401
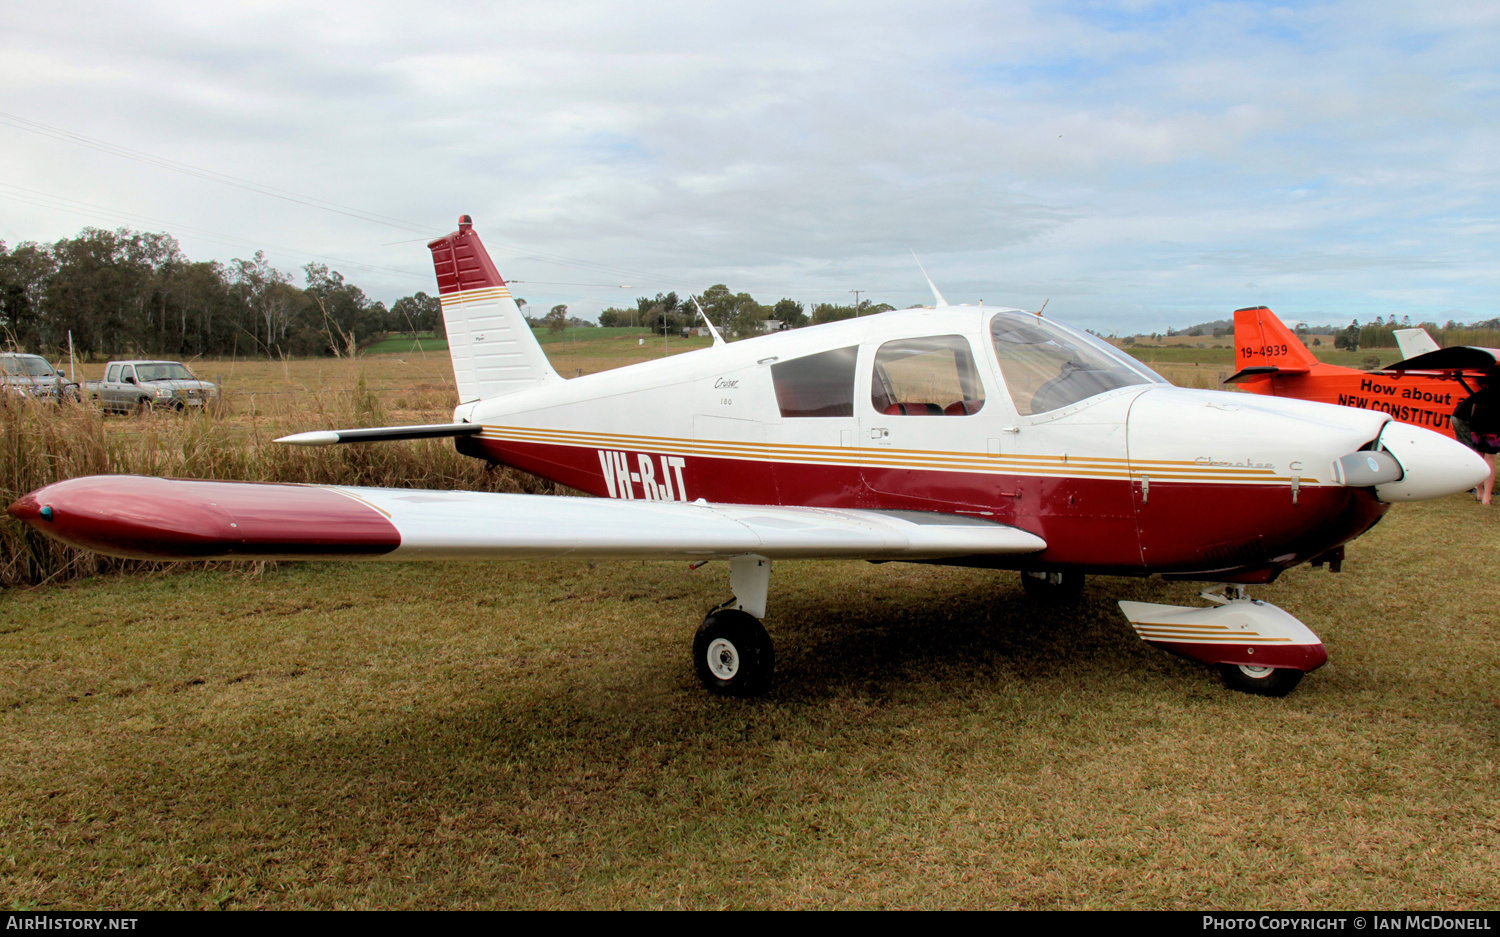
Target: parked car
x=141, y=386
x=32, y=376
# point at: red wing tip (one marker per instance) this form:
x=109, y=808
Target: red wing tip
x=174, y=519
x=25, y=508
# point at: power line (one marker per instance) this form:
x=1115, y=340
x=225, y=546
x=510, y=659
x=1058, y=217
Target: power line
x=606, y=286
x=161, y=162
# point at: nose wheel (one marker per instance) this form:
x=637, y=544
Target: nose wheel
x=1262, y=681
x=732, y=654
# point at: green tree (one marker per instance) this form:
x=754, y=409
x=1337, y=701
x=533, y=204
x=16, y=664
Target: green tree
x=613, y=318
x=1348, y=339
x=24, y=274
x=269, y=296
x=557, y=319
x=663, y=314
x=345, y=316
x=419, y=313
x=749, y=317
x=789, y=313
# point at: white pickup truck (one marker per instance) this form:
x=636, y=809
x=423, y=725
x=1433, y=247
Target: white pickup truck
x=142, y=386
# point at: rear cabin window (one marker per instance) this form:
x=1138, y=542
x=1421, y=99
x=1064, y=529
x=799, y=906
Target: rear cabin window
x=114, y=374
x=816, y=385
x=932, y=376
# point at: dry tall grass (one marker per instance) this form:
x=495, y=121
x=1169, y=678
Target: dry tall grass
x=42, y=443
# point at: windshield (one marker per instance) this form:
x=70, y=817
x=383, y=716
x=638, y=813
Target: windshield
x=162, y=371
x=1047, y=365
x=27, y=365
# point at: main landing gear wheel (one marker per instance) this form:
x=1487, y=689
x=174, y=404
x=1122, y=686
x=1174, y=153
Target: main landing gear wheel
x=1052, y=587
x=733, y=654
x=1262, y=681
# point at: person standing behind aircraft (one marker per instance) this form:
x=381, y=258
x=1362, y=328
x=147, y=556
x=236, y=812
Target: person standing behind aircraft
x=1476, y=424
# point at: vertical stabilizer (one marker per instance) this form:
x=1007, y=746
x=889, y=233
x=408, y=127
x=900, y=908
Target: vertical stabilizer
x=1262, y=341
x=493, y=350
x=1413, y=342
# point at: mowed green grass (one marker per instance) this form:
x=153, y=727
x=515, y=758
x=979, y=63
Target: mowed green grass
x=532, y=735
x=407, y=344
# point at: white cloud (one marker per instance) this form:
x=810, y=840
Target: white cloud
x=1139, y=161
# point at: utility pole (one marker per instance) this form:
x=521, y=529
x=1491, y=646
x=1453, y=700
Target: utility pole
x=856, y=300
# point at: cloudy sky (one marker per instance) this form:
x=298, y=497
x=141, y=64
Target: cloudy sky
x=1138, y=164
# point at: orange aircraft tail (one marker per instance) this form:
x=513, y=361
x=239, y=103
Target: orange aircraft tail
x=1263, y=345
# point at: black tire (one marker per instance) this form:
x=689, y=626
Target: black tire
x=142, y=407
x=1053, y=587
x=733, y=655
x=1261, y=681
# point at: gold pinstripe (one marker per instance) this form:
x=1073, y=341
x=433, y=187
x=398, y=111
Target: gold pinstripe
x=1042, y=465
x=1202, y=635
x=475, y=296
x=355, y=497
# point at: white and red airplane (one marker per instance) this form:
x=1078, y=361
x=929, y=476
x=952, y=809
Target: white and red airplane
x=955, y=434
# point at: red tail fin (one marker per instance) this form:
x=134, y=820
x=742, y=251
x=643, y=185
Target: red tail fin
x=1262, y=341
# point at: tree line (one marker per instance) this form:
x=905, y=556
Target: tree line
x=1381, y=333
x=736, y=315
x=123, y=293
x=127, y=292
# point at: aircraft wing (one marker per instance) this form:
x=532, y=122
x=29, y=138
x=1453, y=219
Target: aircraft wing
x=1457, y=358
x=176, y=519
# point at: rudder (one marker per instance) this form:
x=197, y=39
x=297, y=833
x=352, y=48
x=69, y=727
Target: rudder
x=492, y=348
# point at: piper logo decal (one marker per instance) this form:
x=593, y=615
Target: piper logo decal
x=623, y=483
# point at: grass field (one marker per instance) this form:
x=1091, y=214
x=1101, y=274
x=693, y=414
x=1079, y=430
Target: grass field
x=532, y=734
x=406, y=344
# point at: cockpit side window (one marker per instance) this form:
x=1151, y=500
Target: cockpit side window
x=930, y=376
x=1047, y=366
x=816, y=385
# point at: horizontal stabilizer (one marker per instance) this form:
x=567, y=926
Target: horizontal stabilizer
x=1245, y=375
x=175, y=519
x=331, y=437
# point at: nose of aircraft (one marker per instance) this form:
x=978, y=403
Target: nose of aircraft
x=1432, y=465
